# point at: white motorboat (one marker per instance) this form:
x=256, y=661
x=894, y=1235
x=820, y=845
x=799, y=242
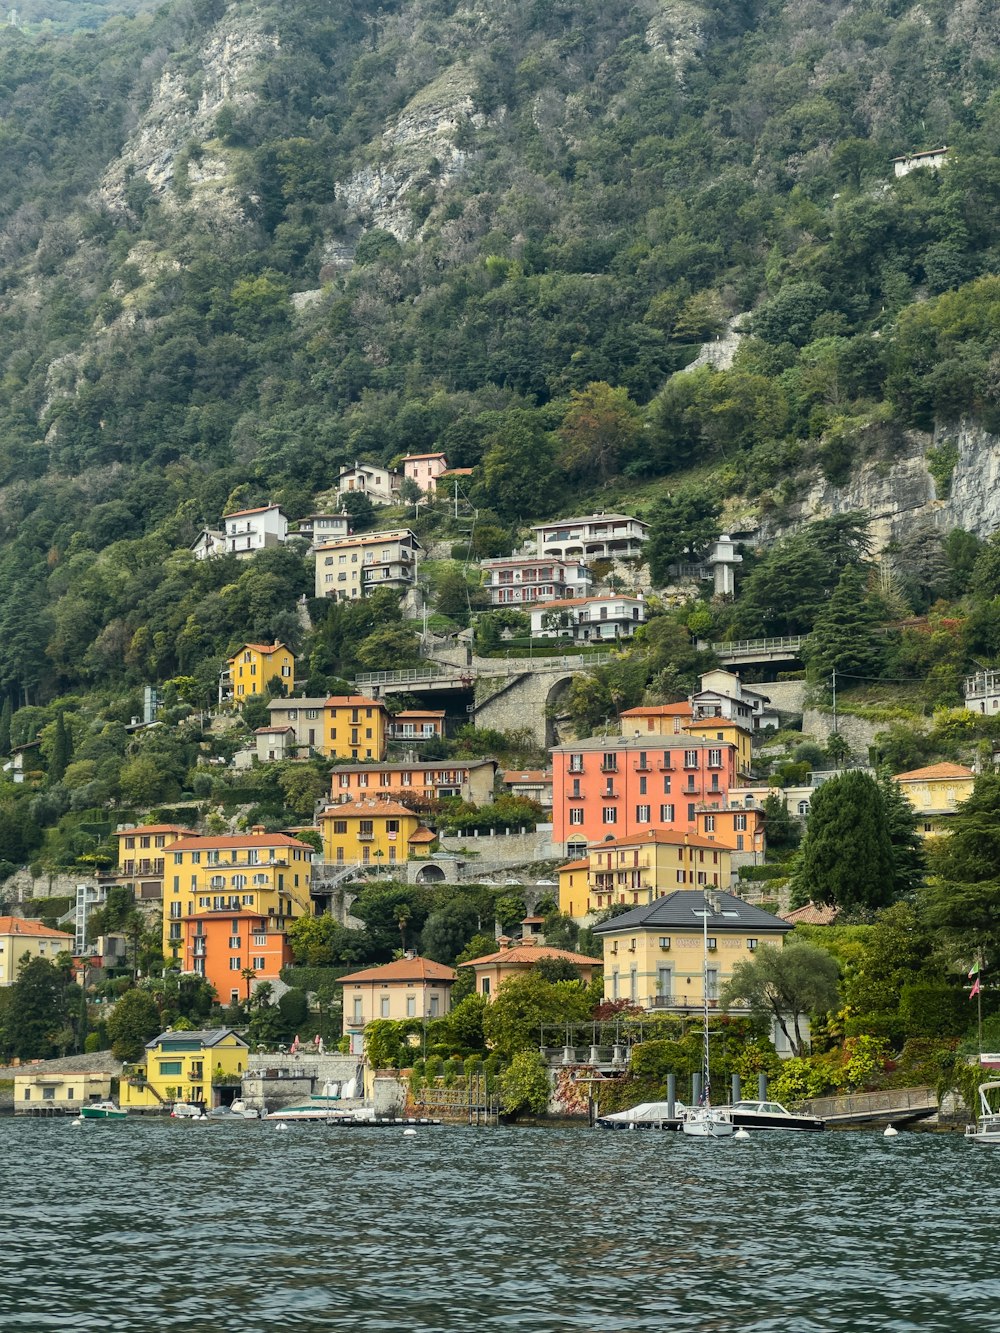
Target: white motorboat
x=708, y=1122
x=768, y=1115
x=647, y=1115
x=986, y=1130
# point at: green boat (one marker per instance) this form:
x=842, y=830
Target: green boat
x=104, y=1110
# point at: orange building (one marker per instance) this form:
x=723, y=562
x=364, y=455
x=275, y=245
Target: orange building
x=620, y=786
x=220, y=946
x=417, y=724
x=472, y=779
x=737, y=829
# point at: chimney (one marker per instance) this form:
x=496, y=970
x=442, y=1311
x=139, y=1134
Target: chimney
x=257, y=829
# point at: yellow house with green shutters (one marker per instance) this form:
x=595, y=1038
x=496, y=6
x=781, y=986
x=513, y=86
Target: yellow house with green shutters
x=185, y=1067
x=655, y=955
x=255, y=665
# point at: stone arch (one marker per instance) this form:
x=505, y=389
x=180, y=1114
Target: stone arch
x=430, y=874
x=553, y=695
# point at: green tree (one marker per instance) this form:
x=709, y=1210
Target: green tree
x=846, y=637
x=141, y=781
x=846, y=857
x=598, y=432
x=62, y=749
x=518, y=466
x=961, y=899
x=480, y=946
x=783, y=984
x=908, y=851
x=38, y=1018
x=681, y=528
x=783, y=832
x=134, y=1020
x=448, y=929
x=524, y=1085
x=513, y=1022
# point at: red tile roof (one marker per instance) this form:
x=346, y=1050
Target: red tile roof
x=347, y=701
x=221, y=844
x=375, y=806
x=413, y=458
x=575, y=865
x=404, y=969
x=260, y=648
x=661, y=837
x=812, y=914
x=935, y=771
x=242, y=513
x=660, y=710
x=526, y=955
x=16, y=925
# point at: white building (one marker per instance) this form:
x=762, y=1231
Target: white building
x=524, y=580
x=982, y=692
x=251, y=530
x=723, y=694
x=723, y=559
x=928, y=157
x=208, y=543
x=593, y=537
x=589, y=619
x=380, y=484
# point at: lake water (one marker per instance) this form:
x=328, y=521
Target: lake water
x=244, y=1229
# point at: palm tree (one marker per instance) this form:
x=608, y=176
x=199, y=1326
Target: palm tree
x=249, y=976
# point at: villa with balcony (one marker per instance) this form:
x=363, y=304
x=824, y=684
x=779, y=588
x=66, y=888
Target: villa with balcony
x=593, y=537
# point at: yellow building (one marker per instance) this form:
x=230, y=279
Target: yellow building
x=354, y=727
x=638, y=870
x=574, y=888
x=25, y=937
x=724, y=729
x=186, y=1067
x=379, y=833
x=406, y=988
x=267, y=873
x=65, y=1091
x=142, y=857
x=655, y=956
x=255, y=665
x=936, y=793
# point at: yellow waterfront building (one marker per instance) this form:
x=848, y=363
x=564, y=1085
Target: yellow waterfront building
x=266, y=873
x=24, y=937
x=186, y=1067
x=256, y=665
x=655, y=955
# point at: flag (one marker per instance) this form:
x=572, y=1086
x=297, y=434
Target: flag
x=975, y=988
x=973, y=971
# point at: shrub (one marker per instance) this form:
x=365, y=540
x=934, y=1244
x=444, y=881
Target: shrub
x=927, y=1010
x=524, y=1085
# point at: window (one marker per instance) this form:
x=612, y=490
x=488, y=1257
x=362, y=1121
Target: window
x=642, y=786
x=711, y=944
x=259, y=964
x=664, y=941
x=690, y=758
x=384, y=1006
x=435, y=1006
x=642, y=765
x=234, y=941
x=171, y=1067
x=715, y=758
x=485, y=986
x=710, y=823
x=666, y=814
x=576, y=763
x=666, y=785
x=411, y=1006
x=739, y=822
x=751, y=945
x=234, y=965
x=642, y=813
x=609, y=815
x=609, y=762
x=666, y=760
x=259, y=941
x=358, y=1009
x=712, y=983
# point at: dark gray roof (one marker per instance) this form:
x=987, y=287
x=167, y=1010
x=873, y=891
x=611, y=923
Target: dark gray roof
x=203, y=1036
x=682, y=909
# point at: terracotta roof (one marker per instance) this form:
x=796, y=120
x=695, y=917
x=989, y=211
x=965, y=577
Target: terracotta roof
x=423, y=835
x=812, y=914
x=221, y=844
x=404, y=969
x=417, y=766
x=419, y=712
x=265, y=731
x=708, y=723
x=678, y=741
x=243, y=513
x=935, y=771
x=16, y=925
x=155, y=828
x=265, y=648
x=659, y=837
x=526, y=955
x=660, y=710
x=345, y=543
x=575, y=865
x=413, y=458
x=456, y=472
x=358, y=809
x=350, y=701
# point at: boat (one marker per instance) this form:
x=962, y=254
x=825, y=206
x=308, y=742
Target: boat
x=646, y=1115
x=768, y=1115
x=986, y=1130
x=103, y=1110
x=705, y=1121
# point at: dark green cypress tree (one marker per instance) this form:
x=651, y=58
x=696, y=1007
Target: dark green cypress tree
x=62, y=750
x=5, y=718
x=846, y=636
x=846, y=857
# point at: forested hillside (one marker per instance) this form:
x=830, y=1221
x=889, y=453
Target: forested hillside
x=243, y=245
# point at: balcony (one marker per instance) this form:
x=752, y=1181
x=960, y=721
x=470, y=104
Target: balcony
x=610, y=794
x=609, y=767
x=366, y=837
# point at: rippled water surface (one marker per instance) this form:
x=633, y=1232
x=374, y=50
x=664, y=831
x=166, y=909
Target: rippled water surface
x=237, y=1227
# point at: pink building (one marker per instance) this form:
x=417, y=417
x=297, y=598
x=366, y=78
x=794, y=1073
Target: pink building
x=424, y=469
x=620, y=786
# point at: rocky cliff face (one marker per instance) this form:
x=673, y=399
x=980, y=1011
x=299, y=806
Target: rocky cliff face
x=902, y=495
x=183, y=112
